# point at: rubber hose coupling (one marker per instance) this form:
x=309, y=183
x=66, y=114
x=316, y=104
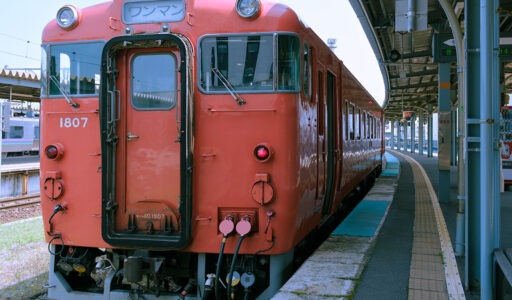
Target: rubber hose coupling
x=227, y=226
x=244, y=226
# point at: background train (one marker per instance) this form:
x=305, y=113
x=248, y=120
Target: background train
x=190, y=146
x=21, y=137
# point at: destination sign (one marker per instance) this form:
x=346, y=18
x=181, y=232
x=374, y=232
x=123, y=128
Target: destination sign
x=153, y=11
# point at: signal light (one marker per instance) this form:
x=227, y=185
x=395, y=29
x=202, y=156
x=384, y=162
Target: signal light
x=262, y=153
x=54, y=152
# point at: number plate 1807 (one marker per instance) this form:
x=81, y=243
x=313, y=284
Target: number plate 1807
x=73, y=122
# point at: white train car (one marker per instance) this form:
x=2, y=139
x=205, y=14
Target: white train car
x=21, y=137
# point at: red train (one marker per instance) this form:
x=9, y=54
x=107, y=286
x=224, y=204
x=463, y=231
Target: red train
x=191, y=145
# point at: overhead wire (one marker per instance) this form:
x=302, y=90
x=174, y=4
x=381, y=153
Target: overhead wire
x=27, y=57
x=27, y=42
x=19, y=39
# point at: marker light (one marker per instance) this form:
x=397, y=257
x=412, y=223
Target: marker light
x=248, y=8
x=262, y=153
x=67, y=17
x=54, y=152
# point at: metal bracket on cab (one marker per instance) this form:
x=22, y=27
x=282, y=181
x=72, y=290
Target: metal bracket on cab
x=128, y=30
x=165, y=29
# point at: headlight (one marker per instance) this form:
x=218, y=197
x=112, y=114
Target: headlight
x=67, y=17
x=248, y=8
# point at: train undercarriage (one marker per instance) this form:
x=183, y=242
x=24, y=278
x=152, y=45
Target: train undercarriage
x=88, y=273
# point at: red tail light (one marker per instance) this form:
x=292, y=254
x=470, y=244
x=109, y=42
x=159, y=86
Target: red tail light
x=261, y=152
x=54, y=152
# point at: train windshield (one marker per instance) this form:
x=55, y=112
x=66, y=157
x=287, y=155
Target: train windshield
x=74, y=69
x=247, y=63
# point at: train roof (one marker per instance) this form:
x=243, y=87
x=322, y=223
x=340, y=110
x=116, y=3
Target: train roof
x=103, y=22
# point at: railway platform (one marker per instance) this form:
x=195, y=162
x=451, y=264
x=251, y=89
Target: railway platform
x=396, y=244
x=19, y=180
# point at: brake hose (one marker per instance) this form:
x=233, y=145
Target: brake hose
x=226, y=227
x=55, y=236
x=219, y=262
x=230, y=276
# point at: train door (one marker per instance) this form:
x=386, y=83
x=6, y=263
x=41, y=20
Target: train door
x=150, y=164
x=321, y=144
x=331, y=133
x=147, y=168
x=340, y=119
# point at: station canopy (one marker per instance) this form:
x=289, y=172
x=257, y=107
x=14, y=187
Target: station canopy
x=19, y=85
x=406, y=58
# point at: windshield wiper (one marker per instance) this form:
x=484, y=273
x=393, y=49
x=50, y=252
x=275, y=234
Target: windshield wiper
x=228, y=86
x=68, y=99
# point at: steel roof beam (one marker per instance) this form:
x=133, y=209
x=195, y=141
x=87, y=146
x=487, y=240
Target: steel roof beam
x=417, y=54
x=416, y=74
x=415, y=86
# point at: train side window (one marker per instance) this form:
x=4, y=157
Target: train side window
x=36, y=132
x=373, y=127
x=321, y=101
x=370, y=131
x=376, y=128
x=288, y=64
x=363, y=125
x=44, y=70
x=153, y=82
x=357, y=126
x=351, y=114
x=346, y=131
x=74, y=69
x=368, y=116
x=16, y=132
x=246, y=61
x=307, y=71
x=377, y=135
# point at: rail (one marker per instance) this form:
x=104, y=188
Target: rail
x=23, y=200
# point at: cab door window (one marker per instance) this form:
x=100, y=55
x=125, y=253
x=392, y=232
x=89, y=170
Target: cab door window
x=153, y=81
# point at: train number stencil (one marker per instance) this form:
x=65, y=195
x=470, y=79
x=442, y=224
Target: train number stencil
x=73, y=122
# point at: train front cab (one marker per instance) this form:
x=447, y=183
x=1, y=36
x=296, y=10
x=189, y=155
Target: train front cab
x=155, y=195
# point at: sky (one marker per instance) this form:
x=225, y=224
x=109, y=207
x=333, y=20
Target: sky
x=22, y=22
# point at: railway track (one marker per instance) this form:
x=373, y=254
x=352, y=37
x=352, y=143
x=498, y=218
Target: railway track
x=12, y=202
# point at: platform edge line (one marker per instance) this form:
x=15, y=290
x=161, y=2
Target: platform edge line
x=453, y=282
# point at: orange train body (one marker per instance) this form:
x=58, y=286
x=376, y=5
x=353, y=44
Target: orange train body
x=183, y=167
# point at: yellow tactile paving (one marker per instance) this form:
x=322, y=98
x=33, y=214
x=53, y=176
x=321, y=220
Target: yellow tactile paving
x=433, y=272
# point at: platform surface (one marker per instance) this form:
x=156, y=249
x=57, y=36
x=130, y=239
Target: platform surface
x=394, y=245
x=20, y=167
x=334, y=269
x=364, y=219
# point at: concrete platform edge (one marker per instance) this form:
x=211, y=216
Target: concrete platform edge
x=335, y=268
